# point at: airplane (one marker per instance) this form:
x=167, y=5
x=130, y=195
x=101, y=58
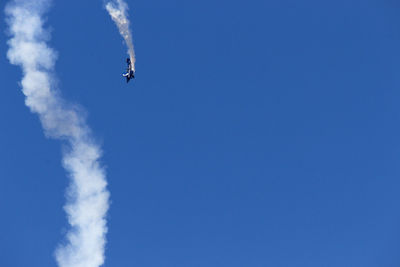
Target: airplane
x=130, y=74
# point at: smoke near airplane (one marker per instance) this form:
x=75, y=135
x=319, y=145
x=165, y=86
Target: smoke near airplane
x=118, y=12
x=87, y=195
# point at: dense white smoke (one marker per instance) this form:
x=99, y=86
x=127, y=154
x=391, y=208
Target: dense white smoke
x=88, y=198
x=117, y=10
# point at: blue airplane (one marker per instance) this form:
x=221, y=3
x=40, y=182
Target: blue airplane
x=130, y=74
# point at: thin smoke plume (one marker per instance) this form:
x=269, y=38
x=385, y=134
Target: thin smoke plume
x=118, y=12
x=87, y=196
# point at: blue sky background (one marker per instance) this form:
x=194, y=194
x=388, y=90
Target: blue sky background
x=257, y=133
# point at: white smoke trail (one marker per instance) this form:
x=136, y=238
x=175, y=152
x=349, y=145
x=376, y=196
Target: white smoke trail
x=117, y=10
x=87, y=202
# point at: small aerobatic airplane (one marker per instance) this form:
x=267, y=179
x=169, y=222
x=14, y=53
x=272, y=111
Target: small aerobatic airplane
x=130, y=74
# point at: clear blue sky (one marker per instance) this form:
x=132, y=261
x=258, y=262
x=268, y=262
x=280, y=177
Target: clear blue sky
x=257, y=133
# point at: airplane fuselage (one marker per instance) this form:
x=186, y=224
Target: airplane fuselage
x=130, y=74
